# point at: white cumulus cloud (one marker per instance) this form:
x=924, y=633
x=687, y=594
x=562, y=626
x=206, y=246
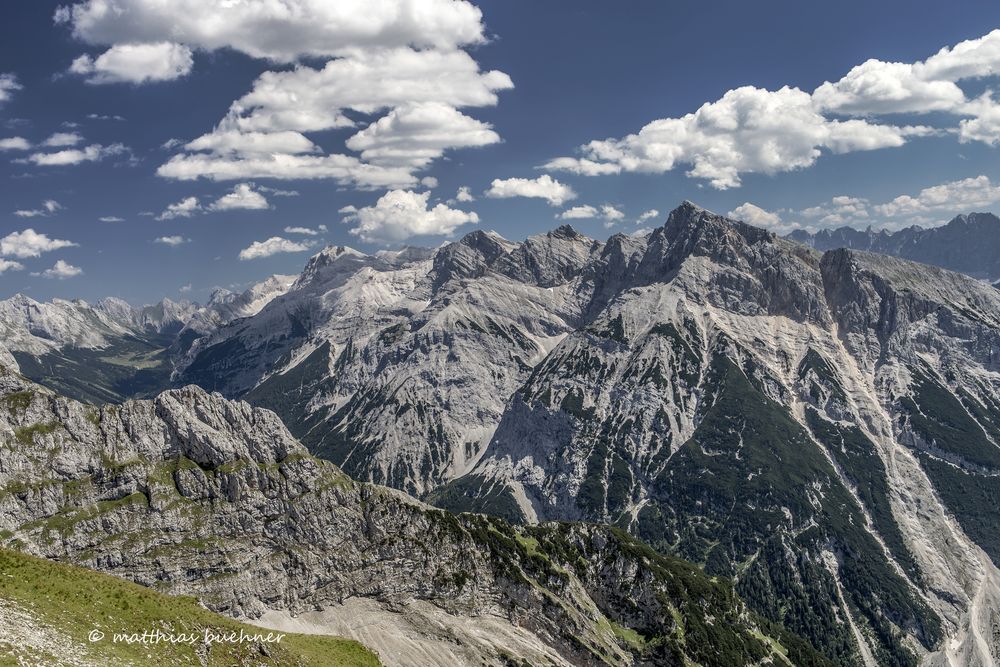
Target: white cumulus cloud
x=279, y=31
x=418, y=93
x=74, y=156
x=49, y=206
x=609, y=213
x=185, y=208
x=172, y=241
x=135, y=63
x=752, y=130
x=414, y=135
x=344, y=169
x=243, y=197
x=61, y=270
x=877, y=87
x=544, y=187
x=15, y=144
x=839, y=211
x=584, y=212
x=235, y=142
x=755, y=215
x=311, y=100
x=583, y=166
x=29, y=243
x=276, y=192
x=62, y=140
x=930, y=206
x=10, y=265
x=8, y=86
x=306, y=231
x=953, y=197
x=401, y=61
x=984, y=125
x=273, y=246
x=400, y=214
x=749, y=130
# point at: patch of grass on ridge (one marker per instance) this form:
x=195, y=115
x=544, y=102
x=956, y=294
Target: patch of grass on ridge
x=73, y=601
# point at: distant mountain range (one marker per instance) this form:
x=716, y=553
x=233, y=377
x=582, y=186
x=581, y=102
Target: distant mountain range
x=820, y=427
x=969, y=244
x=111, y=351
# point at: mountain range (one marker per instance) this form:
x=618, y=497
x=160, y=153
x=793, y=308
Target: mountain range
x=820, y=428
x=968, y=244
x=112, y=350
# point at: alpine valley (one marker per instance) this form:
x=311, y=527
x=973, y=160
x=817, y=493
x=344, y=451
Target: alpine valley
x=704, y=445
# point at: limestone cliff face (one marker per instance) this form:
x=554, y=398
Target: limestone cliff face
x=191, y=493
x=819, y=427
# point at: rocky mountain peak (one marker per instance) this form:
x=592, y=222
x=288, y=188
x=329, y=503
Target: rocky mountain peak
x=690, y=208
x=976, y=220
x=691, y=230
x=469, y=257
x=167, y=316
x=117, y=309
x=550, y=259
x=220, y=295
x=12, y=382
x=565, y=231
x=329, y=264
x=20, y=300
x=622, y=245
x=690, y=222
x=487, y=242
x=212, y=431
x=566, y=378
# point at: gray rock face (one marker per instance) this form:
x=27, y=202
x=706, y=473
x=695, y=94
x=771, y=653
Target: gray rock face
x=399, y=370
x=195, y=494
x=469, y=258
x=754, y=406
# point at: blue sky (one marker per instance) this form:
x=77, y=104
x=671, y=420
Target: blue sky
x=457, y=95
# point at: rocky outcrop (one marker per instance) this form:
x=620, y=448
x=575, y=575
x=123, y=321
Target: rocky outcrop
x=194, y=494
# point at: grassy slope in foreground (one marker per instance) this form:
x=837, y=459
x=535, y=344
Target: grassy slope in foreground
x=47, y=611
